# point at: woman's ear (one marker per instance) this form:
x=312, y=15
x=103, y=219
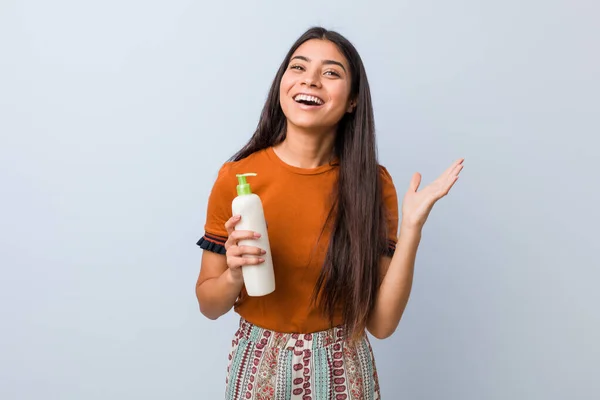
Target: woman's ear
x=351, y=106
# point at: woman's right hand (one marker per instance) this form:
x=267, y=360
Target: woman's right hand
x=235, y=254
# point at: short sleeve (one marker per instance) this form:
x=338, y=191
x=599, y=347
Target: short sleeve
x=390, y=202
x=218, y=212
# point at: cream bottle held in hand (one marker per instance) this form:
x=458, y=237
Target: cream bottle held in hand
x=259, y=280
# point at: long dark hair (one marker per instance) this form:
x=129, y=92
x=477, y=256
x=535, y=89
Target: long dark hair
x=350, y=276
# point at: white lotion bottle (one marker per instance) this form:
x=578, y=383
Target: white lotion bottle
x=259, y=279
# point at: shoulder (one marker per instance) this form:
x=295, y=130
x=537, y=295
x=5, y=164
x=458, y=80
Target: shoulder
x=388, y=189
x=386, y=178
x=384, y=172
x=240, y=166
x=226, y=176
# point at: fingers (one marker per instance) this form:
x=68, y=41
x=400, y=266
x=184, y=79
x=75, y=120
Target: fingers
x=239, y=235
x=415, y=182
x=455, y=167
x=250, y=261
x=450, y=176
x=238, y=256
x=239, y=251
x=238, y=262
x=243, y=235
x=231, y=223
x=456, y=171
x=453, y=176
x=235, y=236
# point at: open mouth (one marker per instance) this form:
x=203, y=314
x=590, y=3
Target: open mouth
x=308, y=100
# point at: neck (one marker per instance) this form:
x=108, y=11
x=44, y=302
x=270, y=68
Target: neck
x=306, y=149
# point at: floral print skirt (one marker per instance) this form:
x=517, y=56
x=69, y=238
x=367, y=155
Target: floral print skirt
x=270, y=365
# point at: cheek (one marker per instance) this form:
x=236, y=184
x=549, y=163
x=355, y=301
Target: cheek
x=284, y=89
x=341, y=95
x=286, y=84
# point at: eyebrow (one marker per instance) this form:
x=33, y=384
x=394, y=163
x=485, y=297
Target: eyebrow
x=325, y=62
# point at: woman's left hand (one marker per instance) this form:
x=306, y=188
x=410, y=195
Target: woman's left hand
x=417, y=205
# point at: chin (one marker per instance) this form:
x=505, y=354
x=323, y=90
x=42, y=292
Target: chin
x=307, y=123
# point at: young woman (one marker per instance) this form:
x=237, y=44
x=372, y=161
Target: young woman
x=343, y=261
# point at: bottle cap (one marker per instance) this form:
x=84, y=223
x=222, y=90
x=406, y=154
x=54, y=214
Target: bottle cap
x=243, y=187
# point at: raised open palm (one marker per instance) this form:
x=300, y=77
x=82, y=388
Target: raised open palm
x=417, y=204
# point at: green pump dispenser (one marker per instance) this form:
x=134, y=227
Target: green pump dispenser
x=243, y=187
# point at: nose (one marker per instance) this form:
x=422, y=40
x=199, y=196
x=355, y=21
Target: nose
x=312, y=79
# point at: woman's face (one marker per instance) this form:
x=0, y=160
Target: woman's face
x=315, y=88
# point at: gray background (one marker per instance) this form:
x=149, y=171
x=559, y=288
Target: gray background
x=116, y=115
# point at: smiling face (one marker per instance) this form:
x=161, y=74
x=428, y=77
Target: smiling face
x=315, y=88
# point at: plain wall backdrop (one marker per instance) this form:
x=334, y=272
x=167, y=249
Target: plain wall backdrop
x=115, y=117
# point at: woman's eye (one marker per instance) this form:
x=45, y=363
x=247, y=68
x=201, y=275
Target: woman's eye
x=297, y=67
x=332, y=73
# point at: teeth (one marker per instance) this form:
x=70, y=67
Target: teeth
x=304, y=97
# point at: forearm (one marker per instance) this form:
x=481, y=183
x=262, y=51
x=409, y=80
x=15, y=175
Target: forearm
x=396, y=286
x=217, y=296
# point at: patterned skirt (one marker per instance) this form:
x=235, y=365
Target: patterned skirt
x=269, y=365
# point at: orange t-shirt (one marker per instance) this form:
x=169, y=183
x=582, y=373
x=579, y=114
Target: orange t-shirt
x=296, y=202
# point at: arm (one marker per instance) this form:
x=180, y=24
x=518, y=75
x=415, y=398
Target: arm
x=217, y=287
x=221, y=280
x=396, y=285
x=397, y=272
